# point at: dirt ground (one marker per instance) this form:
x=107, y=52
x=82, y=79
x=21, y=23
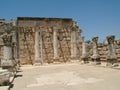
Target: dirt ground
x=67, y=77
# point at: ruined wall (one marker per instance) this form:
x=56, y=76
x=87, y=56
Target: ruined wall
x=26, y=45
x=27, y=27
x=68, y=36
x=103, y=48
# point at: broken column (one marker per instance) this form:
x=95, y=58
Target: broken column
x=15, y=41
x=111, y=57
x=55, y=43
x=8, y=61
x=84, y=56
x=95, y=56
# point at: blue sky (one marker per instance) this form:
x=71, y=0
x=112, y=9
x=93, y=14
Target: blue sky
x=96, y=17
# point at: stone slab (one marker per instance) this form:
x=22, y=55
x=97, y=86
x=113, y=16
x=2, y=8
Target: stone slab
x=4, y=77
x=4, y=87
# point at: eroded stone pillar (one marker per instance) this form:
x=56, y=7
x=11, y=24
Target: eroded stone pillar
x=55, y=43
x=14, y=40
x=84, y=56
x=95, y=56
x=7, y=54
x=73, y=44
x=111, y=57
x=41, y=47
x=8, y=61
x=37, y=47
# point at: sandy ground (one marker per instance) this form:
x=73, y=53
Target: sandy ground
x=67, y=77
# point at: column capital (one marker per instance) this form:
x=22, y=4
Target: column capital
x=95, y=39
x=7, y=40
x=110, y=39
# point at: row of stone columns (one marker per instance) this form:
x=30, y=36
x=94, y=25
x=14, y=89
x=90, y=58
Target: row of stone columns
x=38, y=45
x=111, y=57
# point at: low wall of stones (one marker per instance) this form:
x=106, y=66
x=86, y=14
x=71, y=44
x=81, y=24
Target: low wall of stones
x=102, y=47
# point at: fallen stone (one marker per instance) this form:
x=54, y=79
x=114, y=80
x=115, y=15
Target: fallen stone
x=4, y=77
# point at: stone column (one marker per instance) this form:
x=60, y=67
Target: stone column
x=41, y=47
x=95, y=56
x=84, y=56
x=73, y=44
x=8, y=61
x=37, y=47
x=55, y=43
x=14, y=40
x=111, y=58
x=8, y=54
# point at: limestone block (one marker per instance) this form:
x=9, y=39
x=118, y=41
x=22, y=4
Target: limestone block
x=8, y=63
x=4, y=77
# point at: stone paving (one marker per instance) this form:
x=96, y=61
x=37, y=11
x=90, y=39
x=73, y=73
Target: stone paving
x=73, y=76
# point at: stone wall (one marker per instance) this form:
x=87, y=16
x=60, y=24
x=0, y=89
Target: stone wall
x=50, y=40
x=26, y=45
x=53, y=39
x=103, y=48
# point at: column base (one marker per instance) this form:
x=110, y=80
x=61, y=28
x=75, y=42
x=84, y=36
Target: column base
x=8, y=63
x=112, y=65
x=112, y=60
x=38, y=62
x=85, y=60
x=96, y=61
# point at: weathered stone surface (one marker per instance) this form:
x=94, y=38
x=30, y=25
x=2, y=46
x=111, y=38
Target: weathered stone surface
x=8, y=63
x=56, y=40
x=111, y=57
x=95, y=57
x=85, y=51
x=68, y=45
x=4, y=77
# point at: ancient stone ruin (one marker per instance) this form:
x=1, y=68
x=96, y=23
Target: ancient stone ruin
x=48, y=40
x=32, y=40
x=111, y=57
x=95, y=57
